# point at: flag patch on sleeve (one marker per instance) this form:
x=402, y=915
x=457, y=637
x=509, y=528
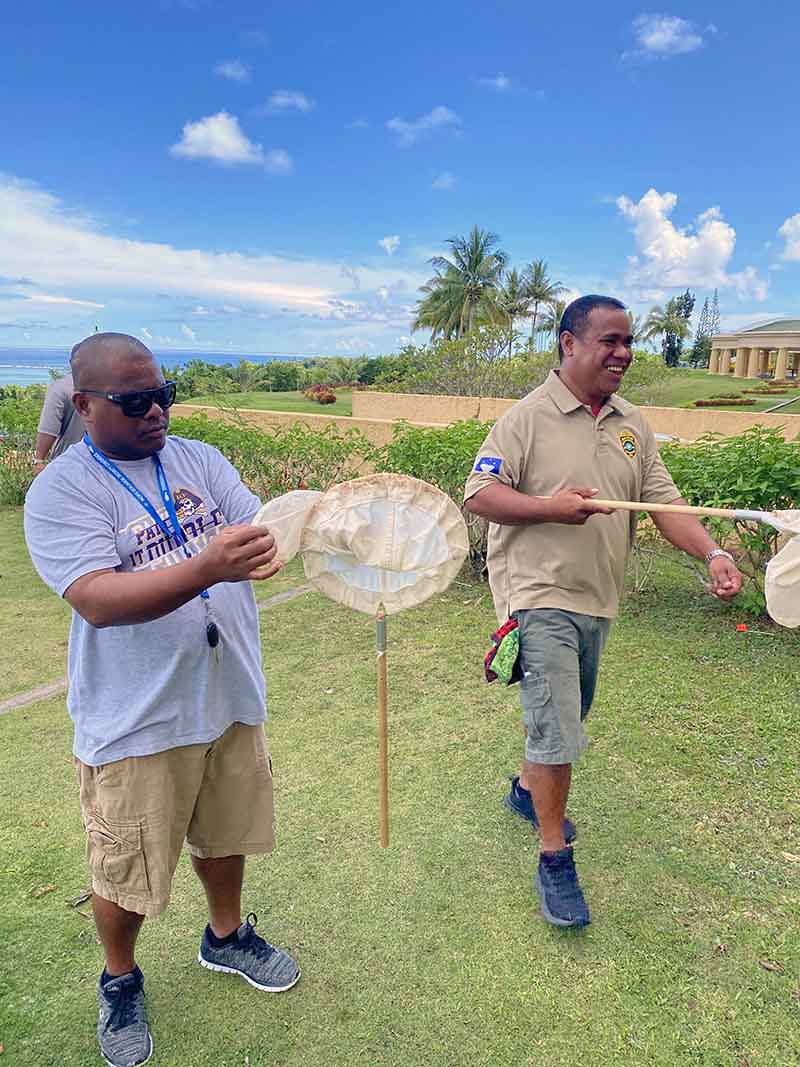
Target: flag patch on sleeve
x=488, y=465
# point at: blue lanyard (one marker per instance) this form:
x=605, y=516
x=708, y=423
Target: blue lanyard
x=163, y=488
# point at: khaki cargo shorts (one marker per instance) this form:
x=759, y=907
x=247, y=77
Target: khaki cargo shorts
x=137, y=812
x=560, y=656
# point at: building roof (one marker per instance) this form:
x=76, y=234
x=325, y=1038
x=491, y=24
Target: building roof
x=775, y=326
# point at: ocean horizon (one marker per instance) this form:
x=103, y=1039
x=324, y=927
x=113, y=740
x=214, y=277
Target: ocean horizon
x=32, y=366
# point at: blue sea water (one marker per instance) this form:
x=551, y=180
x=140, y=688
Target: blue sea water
x=31, y=366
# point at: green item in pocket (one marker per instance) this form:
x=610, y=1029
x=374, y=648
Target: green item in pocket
x=506, y=656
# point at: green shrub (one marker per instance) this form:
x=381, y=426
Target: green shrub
x=486, y=362
x=281, y=458
x=19, y=416
x=721, y=402
x=443, y=456
x=756, y=470
x=16, y=467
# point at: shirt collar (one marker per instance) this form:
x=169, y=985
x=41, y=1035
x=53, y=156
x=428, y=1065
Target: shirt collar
x=567, y=402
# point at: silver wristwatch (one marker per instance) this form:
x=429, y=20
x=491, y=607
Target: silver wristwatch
x=718, y=552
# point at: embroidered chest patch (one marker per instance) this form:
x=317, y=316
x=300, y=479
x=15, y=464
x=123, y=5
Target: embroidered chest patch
x=628, y=442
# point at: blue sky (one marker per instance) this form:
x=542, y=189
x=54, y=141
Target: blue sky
x=225, y=175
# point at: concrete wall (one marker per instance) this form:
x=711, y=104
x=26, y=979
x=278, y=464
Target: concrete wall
x=378, y=431
x=414, y=407
x=686, y=423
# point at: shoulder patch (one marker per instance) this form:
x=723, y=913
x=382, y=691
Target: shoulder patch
x=628, y=442
x=488, y=465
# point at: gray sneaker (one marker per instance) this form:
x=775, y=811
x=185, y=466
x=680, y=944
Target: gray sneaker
x=247, y=954
x=122, y=1028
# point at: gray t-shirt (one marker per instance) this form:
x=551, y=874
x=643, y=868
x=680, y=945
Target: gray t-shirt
x=139, y=689
x=59, y=417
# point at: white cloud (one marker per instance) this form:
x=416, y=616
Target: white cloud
x=46, y=298
x=218, y=137
x=234, y=70
x=278, y=161
x=290, y=100
x=500, y=83
x=354, y=346
x=390, y=243
x=410, y=132
x=673, y=258
x=146, y=333
x=445, y=180
x=790, y=232
x=662, y=36
x=188, y=333
x=43, y=242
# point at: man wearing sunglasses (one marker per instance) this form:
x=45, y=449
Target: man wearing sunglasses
x=148, y=538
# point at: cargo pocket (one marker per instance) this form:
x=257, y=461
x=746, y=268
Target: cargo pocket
x=114, y=852
x=535, y=696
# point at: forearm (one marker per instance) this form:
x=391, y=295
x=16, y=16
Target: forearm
x=44, y=442
x=111, y=598
x=508, y=507
x=685, y=532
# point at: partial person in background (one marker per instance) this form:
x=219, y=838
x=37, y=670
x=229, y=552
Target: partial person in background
x=60, y=424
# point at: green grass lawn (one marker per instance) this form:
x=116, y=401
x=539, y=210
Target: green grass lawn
x=432, y=953
x=266, y=401
x=687, y=385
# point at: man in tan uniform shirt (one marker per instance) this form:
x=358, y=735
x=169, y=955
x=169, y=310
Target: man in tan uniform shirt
x=557, y=560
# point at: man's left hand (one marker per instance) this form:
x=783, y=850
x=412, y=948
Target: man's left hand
x=726, y=579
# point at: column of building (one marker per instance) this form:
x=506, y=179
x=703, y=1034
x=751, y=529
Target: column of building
x=781, y=363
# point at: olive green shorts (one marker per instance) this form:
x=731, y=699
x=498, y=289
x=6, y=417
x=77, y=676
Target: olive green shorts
x=560, y=656
x=139, y=811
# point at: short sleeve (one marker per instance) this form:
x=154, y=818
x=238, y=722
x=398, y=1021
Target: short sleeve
x=238, y=504
x=68, y=533
x=657, y=484
x=500, y=458
x=55, y=402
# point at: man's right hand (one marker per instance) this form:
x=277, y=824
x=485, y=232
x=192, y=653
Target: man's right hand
x=240, y=554
x=574, y=506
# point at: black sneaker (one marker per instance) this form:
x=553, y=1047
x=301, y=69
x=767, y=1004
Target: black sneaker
x=246, y=954
x=520, y=802
x=558, y=886
x=122, y=1028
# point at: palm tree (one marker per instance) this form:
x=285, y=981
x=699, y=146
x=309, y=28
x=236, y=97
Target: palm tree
x=551, y=317
x=541, y=288
x=512, y=301
x=665, y=320
x=638, y=327
x=458, y=291
x=440, y=310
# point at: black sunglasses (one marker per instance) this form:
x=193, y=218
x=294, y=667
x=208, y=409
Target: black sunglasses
x=136, y=405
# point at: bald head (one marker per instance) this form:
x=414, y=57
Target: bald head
x=100, y=360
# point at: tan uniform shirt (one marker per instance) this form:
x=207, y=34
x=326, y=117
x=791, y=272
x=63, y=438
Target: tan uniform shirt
x=549, y=441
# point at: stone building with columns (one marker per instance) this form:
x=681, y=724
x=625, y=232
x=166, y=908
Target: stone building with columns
x=769, y=350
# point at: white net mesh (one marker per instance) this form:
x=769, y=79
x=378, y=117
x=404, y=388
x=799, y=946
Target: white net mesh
x=285, y=516
x=782, y=580
x=384, y=539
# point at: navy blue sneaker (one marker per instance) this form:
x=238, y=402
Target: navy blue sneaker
x=520, y=802
x=557, y=884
